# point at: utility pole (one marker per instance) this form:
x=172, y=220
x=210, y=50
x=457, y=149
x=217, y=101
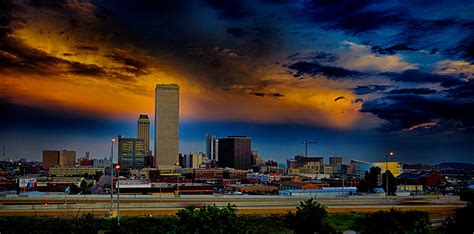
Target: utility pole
x=306, y=142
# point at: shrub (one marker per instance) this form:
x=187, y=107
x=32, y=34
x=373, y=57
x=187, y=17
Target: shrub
x=309, y=218
x=210, y=219
x=393, y=221
x=460, y=222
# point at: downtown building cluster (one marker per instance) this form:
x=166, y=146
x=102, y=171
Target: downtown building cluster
x=228, y=165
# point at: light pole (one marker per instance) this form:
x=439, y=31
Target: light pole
x=177, y=179
x=391, y=154
x=342, y=195
x=112, y=176
x=117, y=169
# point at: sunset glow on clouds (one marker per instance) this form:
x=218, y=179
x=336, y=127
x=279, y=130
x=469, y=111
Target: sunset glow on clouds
x=373, y=67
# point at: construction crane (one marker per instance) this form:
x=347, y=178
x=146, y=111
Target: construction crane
x=306, y=142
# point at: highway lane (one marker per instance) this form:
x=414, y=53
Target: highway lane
x=151, y=205
x=261, y=210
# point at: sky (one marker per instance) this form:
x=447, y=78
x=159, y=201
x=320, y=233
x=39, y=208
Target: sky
x=361, y=78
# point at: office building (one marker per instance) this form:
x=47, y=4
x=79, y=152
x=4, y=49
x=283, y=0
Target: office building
x=212, y=147
x=302, y=160
x=235, y=152
x=166, y=125
x=50, y=158
x=131, y=152
x=67, y=158
x=143, y=132
x=63, y=158
x=358, y=168
x=194, y=160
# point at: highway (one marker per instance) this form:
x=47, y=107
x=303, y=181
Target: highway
x=146, y=205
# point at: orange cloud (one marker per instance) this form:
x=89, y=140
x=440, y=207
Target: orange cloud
x=91, y=74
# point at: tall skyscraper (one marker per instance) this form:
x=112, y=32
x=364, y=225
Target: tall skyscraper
x=131, y=152
x=212, y=147
x=143, y=132
x=235, y=152
x=166, y=125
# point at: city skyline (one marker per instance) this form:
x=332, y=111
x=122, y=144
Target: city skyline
x=379, y=77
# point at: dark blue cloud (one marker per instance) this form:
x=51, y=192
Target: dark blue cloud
x=398, y=26
x=232, y=9
x=367, y=89
x=350, y=16
x=393, y=49
x=413, y=91
x=316, y=56
x=465, y=47
x=407, y=110
x=302, y=68
x=419, y=76
x=465, y=92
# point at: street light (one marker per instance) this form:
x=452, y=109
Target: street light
x=177, y=177
x=117, y=169
x=391, y=154
x=112, y=176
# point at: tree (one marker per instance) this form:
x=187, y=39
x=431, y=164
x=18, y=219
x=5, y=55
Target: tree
x=370, y=181
x=393, y=221
x=84, y=187
x=74, y=189
x=309, y=218
x=392, y=183
x=468, y=196
x=461, y=221
x=210, y=219
x=97, y=175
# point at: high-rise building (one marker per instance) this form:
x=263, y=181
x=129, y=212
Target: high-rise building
x=212, y=147
x=235, y=152
x=131, y=152
x=67, y=158
x=50, y=158
x=166, y=125
x=193, y=160
x=143, y=132
x=333, y=161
